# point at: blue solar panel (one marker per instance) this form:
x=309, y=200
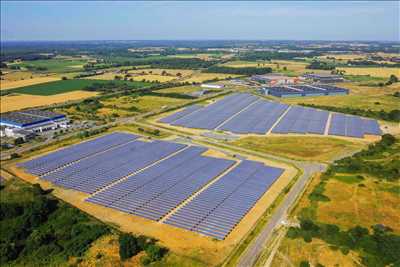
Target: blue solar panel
x=60, y=158
x=220, y=207
x=257, y=118
x=156, y=191
x=180, y=114
x=215, y=114
x=302, y=120
x=89, y=180
x=353, y=126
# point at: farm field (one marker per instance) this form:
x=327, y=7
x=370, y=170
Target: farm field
x=64, y=86
x=363, y=97
x=11, y=84
x=202, y=77
x=54, y=65
x=21, y=101
x=372, y=71
x=314, y=148
x=244, y=64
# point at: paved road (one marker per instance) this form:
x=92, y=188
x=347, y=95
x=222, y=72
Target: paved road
x=255, y=248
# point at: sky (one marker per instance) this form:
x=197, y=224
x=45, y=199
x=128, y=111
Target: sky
x=185, y=20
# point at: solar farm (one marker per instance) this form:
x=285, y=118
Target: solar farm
x=162, y=181
x=243, y=113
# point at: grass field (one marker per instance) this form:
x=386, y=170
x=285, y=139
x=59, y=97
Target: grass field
x=55, y=65
x=301, y=148
x=181, y=89
x=244, y=64
x=22, y=101
x=64, y=86
x=372, y=71
x=364, y=97
x=7, y=84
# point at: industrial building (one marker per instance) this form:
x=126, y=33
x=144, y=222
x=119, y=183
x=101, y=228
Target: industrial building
x=323, y=78
x=34, y=121
x=274, y=79
x=304, y=90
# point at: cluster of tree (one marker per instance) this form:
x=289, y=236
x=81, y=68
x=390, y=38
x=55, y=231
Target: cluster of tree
x=396, y=94
x=25, y=57
x=371, y=63
x=36, y=68
x=90, y=105
x=379, y=248
x=182, y=63
x=320, y=65
x=88, y=133
x=393, y=115
x=36, y=229
x=392, y=79
x=269, y=55
x=360, y=163
x=239, y=71
x=130, y=245
x=114, y=86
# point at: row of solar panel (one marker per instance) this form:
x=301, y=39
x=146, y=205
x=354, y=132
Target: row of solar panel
x=352, y=126
x=62, y=157
x=154, y=192
x=302, y=120
x=213, y=115
x=91, y=174
x=220, y=207
x=150, y=179
x=259, y=116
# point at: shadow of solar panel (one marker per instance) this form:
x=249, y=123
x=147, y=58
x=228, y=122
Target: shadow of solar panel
x=219, y=208
x=60, y=158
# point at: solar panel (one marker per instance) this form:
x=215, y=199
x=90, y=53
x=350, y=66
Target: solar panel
x=219, y=208
x=65, y=156
x=180, y=114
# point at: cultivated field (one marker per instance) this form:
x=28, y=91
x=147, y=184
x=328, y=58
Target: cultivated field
x=54, y=65
x=372, y=71
x=181, y=89
x=22, y=101
x=6, y=84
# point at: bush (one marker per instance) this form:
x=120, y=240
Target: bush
x=128, y=246
x=304, y=264
x=155, y=252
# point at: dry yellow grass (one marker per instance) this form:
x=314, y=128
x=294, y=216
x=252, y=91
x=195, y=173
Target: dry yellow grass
x=105, y=76
x=345, y=56
x=181, y=89
x=172, y=72
x=153, y=78
x=352, y=205
x=373, y=71
x=15, y=102
x=4, y=84
x=293, y=252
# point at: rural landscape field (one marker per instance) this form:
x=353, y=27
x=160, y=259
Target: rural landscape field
x=197, y=134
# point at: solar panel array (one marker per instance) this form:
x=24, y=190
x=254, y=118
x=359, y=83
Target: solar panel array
x=94, y=173
x=352, y=126
x=52, y=161
x=258, y=118
x=180, y=114
x=213, y=115
x=154, y=192
x=243, y=113
x=302, y=120
x=220, y=207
